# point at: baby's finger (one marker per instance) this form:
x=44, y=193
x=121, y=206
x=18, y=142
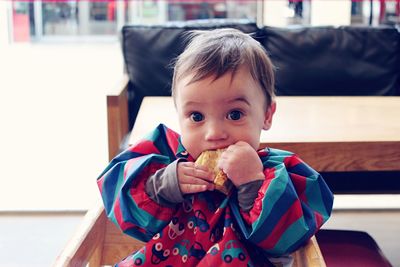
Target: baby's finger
x=192, y=188
x=204, y=174
x=192, y=180
x=201, y=167
x=192, y=170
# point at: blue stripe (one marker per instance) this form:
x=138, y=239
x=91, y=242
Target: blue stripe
x=133, y=214
x=310, y=221
x=303, y=170
x=143, y=162
x=115, y=186
x=268, y=223
x=121, y=158
x=327, y=198
x=313, y=195
x=110, y=184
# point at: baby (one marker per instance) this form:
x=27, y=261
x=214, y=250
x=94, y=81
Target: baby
x=223, y=90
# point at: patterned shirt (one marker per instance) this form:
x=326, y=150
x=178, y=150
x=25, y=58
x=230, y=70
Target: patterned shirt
x=210, y=228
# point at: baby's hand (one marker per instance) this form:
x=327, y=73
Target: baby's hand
x=193, y=178
x=241, y=163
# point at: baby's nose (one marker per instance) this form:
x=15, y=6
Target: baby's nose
x=215, y=132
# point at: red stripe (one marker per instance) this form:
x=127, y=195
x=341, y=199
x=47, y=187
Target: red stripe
x=129, y=164
x=143, y=201
x=292, y=161
x=299, y=183
x=118, y=212
x=293, y=214
x=124, y=225
x=319, y=220
x=262, y=153
x=145, y=147
x=255, y=212
x=172, y=140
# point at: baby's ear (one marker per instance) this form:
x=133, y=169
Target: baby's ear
x=268, y=116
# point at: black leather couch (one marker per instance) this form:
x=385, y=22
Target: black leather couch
x=312, y=61
x=309, y=60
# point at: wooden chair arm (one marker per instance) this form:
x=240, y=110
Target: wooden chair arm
x=86, y=244
x=309, y=256
x=117, y=116
x=97, y=242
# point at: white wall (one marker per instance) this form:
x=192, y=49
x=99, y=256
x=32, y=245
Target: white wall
x=322, y=12
x=274, y=12
x=5, y=12
x=332, y=12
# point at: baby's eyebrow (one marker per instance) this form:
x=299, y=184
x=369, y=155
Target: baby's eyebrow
x=240, y=99
x=190, y=103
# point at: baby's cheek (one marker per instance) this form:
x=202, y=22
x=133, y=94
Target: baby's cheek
x=191, y=146
x=254, y=142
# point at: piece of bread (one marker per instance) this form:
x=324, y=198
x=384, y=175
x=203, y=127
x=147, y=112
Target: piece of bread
x=210, y=158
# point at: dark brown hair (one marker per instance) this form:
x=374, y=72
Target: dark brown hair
x=216, y=52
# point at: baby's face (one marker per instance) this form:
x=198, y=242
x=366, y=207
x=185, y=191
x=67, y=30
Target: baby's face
x=216, y=114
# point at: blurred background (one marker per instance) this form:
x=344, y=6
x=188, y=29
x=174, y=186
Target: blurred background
x=58, y=60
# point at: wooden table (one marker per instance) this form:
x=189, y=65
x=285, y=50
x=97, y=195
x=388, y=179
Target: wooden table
x=329, y=133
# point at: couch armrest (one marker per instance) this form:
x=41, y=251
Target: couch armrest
x=117, y=116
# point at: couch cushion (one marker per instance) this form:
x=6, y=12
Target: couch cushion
x=149, y=50
x=334, y=61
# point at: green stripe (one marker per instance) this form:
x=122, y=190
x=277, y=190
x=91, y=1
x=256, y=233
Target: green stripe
x=145, y=219
x=120, y=180
x=292, y=235
x=111, y=216
x=314, y=196
x=278, y=186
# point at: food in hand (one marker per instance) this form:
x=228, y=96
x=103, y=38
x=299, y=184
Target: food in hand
x=210, y=158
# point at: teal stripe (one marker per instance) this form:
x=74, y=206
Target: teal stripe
x=117, y=191
x=153, y=135
x=276, y=157
x=274, y=161
x=144, y=219
x=314, y=197
x=292, y=235
x=120, y=180
x=135, y=214
x=277, y=186
x=111, y=216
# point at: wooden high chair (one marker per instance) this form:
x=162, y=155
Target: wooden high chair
x=98, y=242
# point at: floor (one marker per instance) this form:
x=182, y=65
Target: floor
x=54, y=144
x=35, y=239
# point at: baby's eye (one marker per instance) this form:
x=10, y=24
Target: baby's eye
x=234, y=115
x=196, y=116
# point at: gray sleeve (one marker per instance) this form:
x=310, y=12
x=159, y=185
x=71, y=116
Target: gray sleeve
x=163, y=187
x=247, y=193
